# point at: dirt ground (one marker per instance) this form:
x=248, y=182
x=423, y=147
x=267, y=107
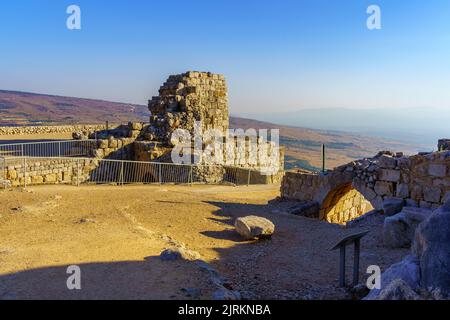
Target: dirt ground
x=116, y=234
x=20, y=138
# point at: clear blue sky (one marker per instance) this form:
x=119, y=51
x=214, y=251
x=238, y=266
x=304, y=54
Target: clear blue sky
x=277, y=55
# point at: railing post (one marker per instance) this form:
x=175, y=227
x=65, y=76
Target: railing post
x=191, y=178
x=22, y=154
x=248, y=178
x=78, y=172
x=324, y=164
x=121, y=173
x=59, y=149
x=24, y=172
x=160, y=173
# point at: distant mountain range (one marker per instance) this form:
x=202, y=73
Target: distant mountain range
x=24, y=108
x=303, y=146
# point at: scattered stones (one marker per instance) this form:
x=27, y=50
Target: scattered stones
x=253, y=227
x=398, y=290
x=87, y=220
x=425, y=273
x=407, y=270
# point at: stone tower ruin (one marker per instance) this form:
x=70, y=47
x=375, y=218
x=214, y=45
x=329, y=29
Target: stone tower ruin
x=186, y=98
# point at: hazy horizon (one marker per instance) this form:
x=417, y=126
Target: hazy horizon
x=405, y=124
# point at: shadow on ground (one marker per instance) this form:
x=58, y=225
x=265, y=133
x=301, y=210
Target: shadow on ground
x=295, y=264
x=149, y=279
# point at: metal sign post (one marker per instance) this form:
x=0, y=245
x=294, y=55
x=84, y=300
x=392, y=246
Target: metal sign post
x=341, y=245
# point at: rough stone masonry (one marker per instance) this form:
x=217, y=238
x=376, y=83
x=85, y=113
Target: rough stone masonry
x=186, y=98
x=385, y=182
x=183, y=100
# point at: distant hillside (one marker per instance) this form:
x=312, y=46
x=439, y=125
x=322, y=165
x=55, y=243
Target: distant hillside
x=23, y=108
x=303, y=146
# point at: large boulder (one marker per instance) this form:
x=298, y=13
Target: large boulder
x=253, y=227
x=407, y=270
x=398, y=230
x=432, y=247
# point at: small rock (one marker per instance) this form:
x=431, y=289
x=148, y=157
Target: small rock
x=170, y=255
x=181, y=252
x=87, y=220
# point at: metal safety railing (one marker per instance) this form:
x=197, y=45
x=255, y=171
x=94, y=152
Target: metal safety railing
x=69, y=148
x=23, y=171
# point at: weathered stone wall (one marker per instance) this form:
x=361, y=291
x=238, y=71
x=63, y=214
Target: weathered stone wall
x=34, y=171
x=421, y=181
x=186, y=98
x=114, y=148
x=51, y=129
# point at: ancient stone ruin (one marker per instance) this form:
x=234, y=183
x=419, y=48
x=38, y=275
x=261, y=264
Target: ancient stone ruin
x=184, y=100
x=387, y=182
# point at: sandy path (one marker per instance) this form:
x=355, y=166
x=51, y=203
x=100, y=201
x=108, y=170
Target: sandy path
x=115, y=234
